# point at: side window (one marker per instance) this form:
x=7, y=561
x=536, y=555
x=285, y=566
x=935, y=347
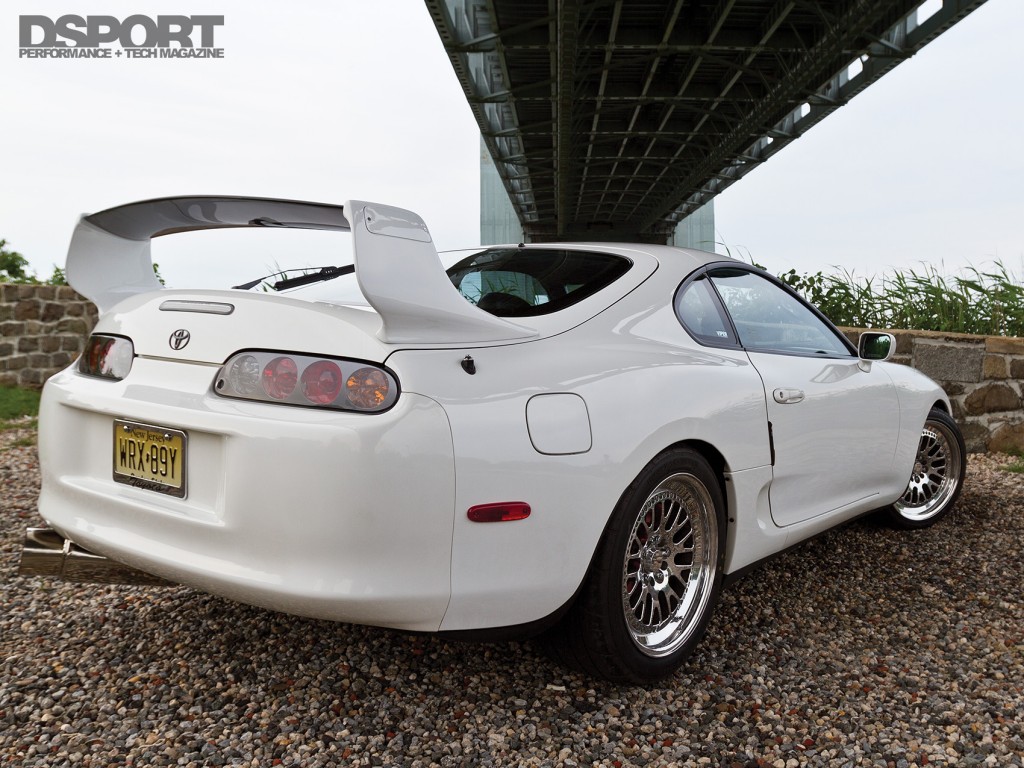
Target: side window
x=700, y=313
x=767, y=317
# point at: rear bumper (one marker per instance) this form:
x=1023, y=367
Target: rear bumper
x=339, y=516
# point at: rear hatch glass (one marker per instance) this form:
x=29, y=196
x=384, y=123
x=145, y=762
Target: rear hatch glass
x=526, y=282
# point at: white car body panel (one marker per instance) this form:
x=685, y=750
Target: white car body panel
x=288, y=508
x=258, y=320
x=839, y=417
x=362, y=517
x=538, y=558
x=558, y=424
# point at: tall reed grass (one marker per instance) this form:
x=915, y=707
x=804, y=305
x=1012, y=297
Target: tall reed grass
x=985, y=303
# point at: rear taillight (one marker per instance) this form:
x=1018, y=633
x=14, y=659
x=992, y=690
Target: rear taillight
x=321, y=382
x=367, y=388
x=276, y=377
x=107, y=357
x=279, y=377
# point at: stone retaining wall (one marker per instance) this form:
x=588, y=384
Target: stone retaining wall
x=983, y=376
x=42, y=329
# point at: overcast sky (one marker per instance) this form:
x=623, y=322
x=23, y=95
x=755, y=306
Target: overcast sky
x=925, y=166
x=327, y=101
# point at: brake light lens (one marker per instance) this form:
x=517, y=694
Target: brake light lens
x=321, y=382
x=280, y=377
x=292, y=379
x=107, y=357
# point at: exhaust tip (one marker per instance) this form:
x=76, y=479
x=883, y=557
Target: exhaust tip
x=42, y=553
x=45, y=552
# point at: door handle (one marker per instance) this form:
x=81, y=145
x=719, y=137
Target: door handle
x=788, y=396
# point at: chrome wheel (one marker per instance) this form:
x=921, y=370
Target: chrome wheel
x=670, y=564
x=938, y=472
x=655, y=577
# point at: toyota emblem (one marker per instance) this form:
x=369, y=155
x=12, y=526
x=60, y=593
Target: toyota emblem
x=179, y=339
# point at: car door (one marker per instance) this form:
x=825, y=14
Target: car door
x=833, y=425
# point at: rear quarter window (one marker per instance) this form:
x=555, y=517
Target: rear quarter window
x=701, y=314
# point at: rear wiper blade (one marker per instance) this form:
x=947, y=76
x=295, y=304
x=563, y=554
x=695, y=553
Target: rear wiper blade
x=253, y=283
x=324, y=273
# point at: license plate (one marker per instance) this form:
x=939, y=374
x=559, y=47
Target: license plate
x=150, y=457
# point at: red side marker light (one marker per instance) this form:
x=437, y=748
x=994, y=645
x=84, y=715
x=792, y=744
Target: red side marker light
x=499, y=513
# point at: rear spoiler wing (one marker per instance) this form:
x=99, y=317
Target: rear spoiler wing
x=396, y=264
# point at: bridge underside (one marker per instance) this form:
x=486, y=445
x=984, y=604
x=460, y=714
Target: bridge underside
x=616, y=119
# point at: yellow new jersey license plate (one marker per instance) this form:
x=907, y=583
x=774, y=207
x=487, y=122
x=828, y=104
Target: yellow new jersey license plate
x=150, y=457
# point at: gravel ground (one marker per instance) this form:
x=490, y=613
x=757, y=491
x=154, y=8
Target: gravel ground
x=865, y=647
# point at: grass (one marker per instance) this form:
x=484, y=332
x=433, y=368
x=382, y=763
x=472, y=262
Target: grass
x=1017, y=465
x=985, y=303
x=18, y=410
x=16, y=403
x=8, y=426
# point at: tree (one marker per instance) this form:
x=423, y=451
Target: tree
x=14, y=266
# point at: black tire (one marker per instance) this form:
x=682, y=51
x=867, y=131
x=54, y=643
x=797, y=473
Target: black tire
x=938, y=475
x=636, y=620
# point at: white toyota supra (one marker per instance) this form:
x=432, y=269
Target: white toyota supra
x=578, y=439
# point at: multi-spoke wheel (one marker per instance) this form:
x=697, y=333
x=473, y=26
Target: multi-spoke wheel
x=937, y=476
x=656, y=576
x=669, y=565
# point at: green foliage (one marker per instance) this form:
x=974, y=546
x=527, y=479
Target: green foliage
x=1017, y=465
x=22, y=423
x=14, y=266
x=843, y=299
x=985, y=303
x=16, y=402
x=14, y=269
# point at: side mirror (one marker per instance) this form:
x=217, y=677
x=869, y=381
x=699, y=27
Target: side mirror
x=875, y=346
